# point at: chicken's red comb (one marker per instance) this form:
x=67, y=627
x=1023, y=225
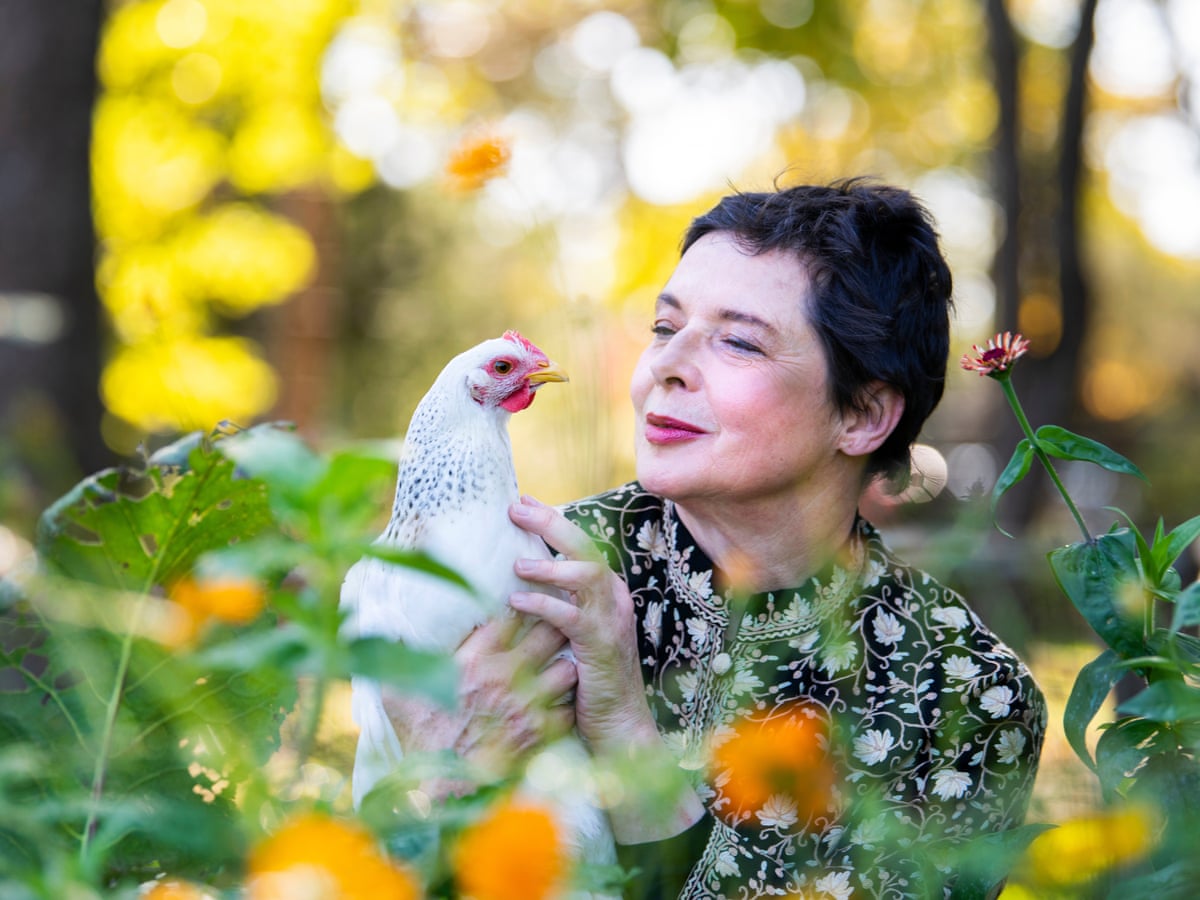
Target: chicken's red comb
x=516, y=338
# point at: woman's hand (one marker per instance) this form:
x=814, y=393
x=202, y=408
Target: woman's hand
x=611, y=711
x=597, y=620
x=512, y=695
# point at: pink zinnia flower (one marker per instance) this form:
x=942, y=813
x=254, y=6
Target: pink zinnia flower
x=1002, y=351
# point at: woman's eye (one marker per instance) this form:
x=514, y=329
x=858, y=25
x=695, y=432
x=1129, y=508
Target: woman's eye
x=661, y=329
x=744, y=346
x=502, y=367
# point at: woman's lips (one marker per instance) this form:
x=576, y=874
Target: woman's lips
x=665, y=430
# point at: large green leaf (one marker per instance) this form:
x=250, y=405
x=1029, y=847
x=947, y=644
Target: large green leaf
x=1063, y=444
x=1168, y=700
x=134, y=528
x=1187, y=607
x=1122, y=749
x=1177, y=541
x=1101, y=578
x=1092, y=686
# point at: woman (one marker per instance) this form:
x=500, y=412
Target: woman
x=796, y=352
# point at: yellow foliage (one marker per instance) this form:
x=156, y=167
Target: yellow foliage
x=200, y=94
x=150, y=162
x=239, y=257
x=1083, y=848
x=513, y=853
x=145, y=291
x=131, y=50
x=315, y=856
x=278, y=147
x=186, y=383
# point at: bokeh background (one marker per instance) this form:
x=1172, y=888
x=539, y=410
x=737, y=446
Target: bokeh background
x=226, y=210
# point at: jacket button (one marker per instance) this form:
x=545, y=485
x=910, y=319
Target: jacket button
x=722, y=663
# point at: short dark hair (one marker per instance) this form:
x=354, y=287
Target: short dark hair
x=880, y=290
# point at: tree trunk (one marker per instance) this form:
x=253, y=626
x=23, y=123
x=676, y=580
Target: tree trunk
x=1049, y=384
x=50, y=322
x=1006, y=165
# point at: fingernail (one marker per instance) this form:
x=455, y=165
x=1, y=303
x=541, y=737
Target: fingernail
x=523, y=566
x=520, y=511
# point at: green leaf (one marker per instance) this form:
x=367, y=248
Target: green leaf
x=1063, y=444
x=1092, y=686
x=413, y=559
x=132, y=529
x=983, y=862
x=1167, y=701
x=1187, y=608
x=435, y=675
x=285, y=647
x=1176, y=542
x=1176, y=881
x=1101, y=579
x=1017, y=469
x=1120, y=751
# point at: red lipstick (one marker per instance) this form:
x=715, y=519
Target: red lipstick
x=665, y=430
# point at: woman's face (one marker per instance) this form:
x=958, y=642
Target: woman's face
x=731, y=396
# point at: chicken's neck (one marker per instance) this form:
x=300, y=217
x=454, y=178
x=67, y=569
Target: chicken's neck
x=455, y=456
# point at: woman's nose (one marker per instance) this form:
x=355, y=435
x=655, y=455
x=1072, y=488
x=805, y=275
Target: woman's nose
x=675, y=361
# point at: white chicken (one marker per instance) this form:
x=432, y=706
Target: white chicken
x=455, y=484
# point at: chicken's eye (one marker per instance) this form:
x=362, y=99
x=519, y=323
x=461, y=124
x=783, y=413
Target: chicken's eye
x=502, y=367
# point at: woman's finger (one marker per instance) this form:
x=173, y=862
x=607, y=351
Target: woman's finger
x=557, y=680
x=493, y=636
x=554, y=528
x=564, y=616
x=539, y=645
x=565, y=574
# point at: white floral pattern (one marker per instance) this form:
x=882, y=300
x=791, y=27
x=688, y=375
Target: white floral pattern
x=938, y=725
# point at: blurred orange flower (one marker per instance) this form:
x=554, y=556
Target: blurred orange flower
x=234, y=600
x=176, y=890
x=477, y=160
x=514, y=853
x=778, y=767
x=315, y=856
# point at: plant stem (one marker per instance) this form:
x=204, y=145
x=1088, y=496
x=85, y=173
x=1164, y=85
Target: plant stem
x=106, y=735
x=1011, y=395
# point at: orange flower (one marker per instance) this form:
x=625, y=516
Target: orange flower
x=477, y=160
x=1002, y=351
x=513, y=854
x=235, y=600
x=319, y=857
x=176, y=890
x=778, y=767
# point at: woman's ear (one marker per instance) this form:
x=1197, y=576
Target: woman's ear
x=864, y=430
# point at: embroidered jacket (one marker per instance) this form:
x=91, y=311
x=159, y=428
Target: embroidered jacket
x=934, y=725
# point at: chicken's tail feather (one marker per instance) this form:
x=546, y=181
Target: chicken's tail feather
x=379, y=753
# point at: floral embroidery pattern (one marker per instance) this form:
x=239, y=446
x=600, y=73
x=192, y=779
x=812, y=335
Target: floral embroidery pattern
x=937, y=725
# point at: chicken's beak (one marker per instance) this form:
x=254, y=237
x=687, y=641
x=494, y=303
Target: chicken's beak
x=546, y=371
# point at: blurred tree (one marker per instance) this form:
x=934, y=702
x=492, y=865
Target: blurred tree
x=50, y=327
x=1039, y=188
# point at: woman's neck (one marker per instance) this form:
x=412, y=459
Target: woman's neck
x=769, y=545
